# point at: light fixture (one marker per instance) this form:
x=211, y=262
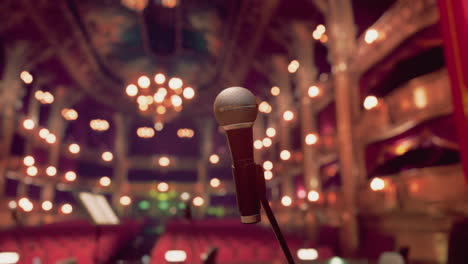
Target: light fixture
x=185, y=133
x=144, y=82
x=43, y=133
x=51, y=171
x=105, y=181
x=74, y=148
x=164, y=161
x=268, y=165
x=215, y=182
x=293, y=66
x=51, y=138
x=258, y=144
x=176, y=100
x=163, y=187
x=198, y=201
x=131, y=90
x=26, y=77
x=288, y=115
x=159, y=78
x=99, y=124
x=175, y=256
x=25, y=204
x=185, y=196
x=370, y=102
x=265, y=107
x=28, y=160
x=371, y=36
x=286, y=201
x=175, y=83
x=285, y=154
x=125, y=200
x=268, y=175
x=307, y=254
x=47, y=206
x=161, y=109
x=311, y=139
x=107, y=156
x=214, y=159
x=70, y=176
x=12, y=204
x=275, y=90
x=66, y=208
x=188, y=93
x=145, y=132
x=69, y=114
x=47, y=98
x=267, y=142
x=270, y=132
x=32, y=171
x=313, y=91
x=313, y=196
x=28, y=124
x=158, y=126
x=377, y=184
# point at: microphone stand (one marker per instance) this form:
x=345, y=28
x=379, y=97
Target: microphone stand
x=261, y=188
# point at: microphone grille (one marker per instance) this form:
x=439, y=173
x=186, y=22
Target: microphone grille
x=235, y=105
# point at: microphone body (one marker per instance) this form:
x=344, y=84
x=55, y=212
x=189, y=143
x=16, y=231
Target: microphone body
x=235, y=109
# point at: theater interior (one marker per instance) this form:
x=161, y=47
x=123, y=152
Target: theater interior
x=110, y=151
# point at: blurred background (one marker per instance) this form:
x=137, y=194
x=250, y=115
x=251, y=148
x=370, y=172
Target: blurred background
x=109, y=152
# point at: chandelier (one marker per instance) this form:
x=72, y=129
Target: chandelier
x=160, y=97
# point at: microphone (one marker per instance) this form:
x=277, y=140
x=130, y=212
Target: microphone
x=235, y=109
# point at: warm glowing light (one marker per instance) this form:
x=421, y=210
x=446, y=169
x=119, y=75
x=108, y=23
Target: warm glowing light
x=39, y=95
x=285, y=155
x=286, y=201
x=288, y=115
x=47, y=98
x=163, y=187
x=268, y=165
x=371, y=102
x=169, y=3
x=420, y=97
x=215, y=182
x=268, y=175
x=159, y=97
x=105, y=181
x=143, y=107
x=144, y=82
x=26, y=77
x=320, y=28
x=371, y=36
x=313, y=196
x=161, y=109
x=131, y=90
x=28, y=124
x=214, y=159
x=293, y=66
x=125, y=200
x=159, y=78
x=145, y=132
x=188, y=93
x=158, y=126
x=70, y=176
x=307, y=254
x=164, y=161
x=51, y=171
x=185, y=133
x=198, y=201
x=175, y=83
x=185, y=196
x=162, y=91
x=267, y=142
x=175, y=256
x=275, y=90
x=47, y=205
x=336, y=260
x=32, y=171
x=258, y=144
x=66, y=208
x=311, y=139
x=74, y=148
x=69, y=114
x=137, y=5
x=43, y=133
x=324, y=38
x=51, y=138
x=270, y=132
x=176, y=100
x=25, y=204
x=377, y=184
x=9, y=257
x=142, y=100
x=107, y=156
x=28, y=161
x=12, y=205
x=313, y=91
x=99, y=124
x=265, y=107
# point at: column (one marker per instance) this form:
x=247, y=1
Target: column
x=205, y=128
x=121, y=166
x=283, y=102
x=342, y=31
x=306, y=77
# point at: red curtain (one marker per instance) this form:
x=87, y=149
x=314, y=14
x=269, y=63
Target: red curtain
x=454, y=21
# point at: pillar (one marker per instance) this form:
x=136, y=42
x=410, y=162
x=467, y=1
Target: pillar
x=205, y=127
x=342, y=31
x=121, y=166
x=306, y=77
